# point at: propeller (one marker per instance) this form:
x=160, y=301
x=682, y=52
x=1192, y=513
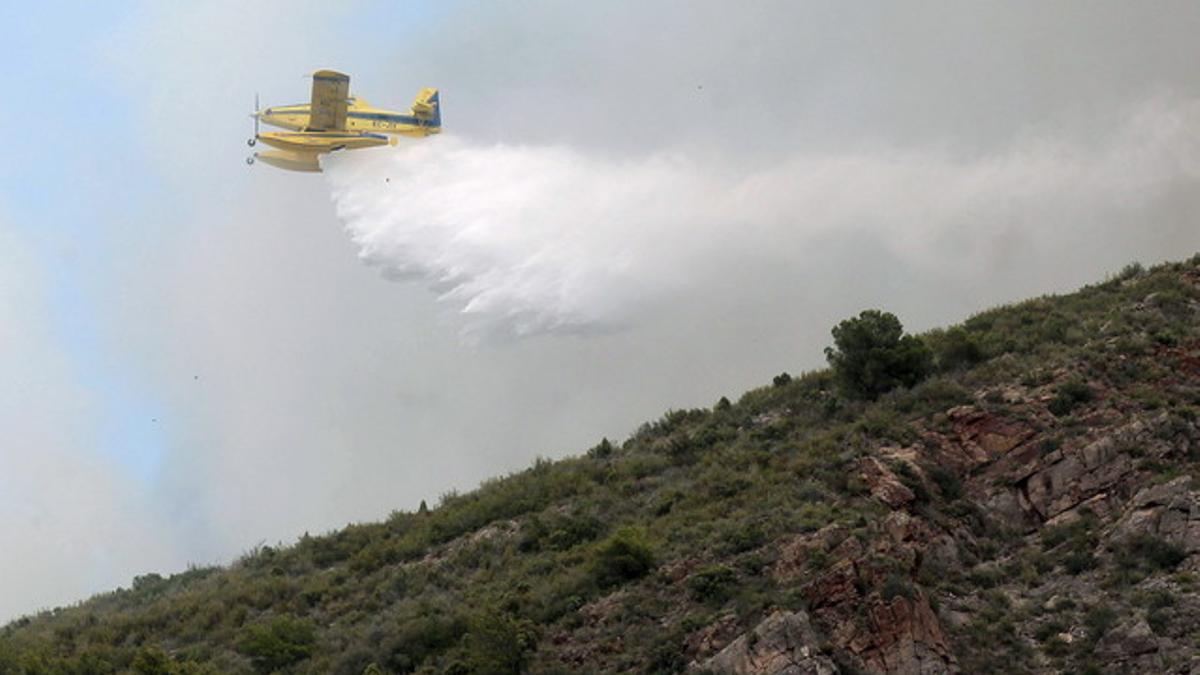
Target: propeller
x=254, y=139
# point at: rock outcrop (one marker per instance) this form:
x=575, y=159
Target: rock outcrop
x=1170, y=511
x=783, y=644
x=870, y=608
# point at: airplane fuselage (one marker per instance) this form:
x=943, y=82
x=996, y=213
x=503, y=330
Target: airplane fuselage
x=359, y=118
x=333, y=120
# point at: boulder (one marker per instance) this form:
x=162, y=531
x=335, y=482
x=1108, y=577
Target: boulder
x=1129, y=640
x=1170, y=511
x=883, y=484
x=783, y=644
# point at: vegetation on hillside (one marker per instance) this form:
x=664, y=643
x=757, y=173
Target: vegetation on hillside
x=646, y=555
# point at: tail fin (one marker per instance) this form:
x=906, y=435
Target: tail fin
x=427, y=107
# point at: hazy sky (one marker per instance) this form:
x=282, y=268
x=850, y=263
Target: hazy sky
x=195, y=359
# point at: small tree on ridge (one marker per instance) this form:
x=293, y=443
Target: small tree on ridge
x=872, y=355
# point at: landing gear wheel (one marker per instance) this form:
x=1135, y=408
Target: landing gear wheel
x=249, y=160
x=252, y=142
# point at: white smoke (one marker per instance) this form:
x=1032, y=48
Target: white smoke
x=523, y=240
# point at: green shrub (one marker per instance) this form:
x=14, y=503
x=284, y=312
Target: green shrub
x=1099, y=619
x=148, y=583
x=1078, y=561
x=986, y=576
x=1075, y=542
x=1159, y=620
x=954, y=349
x=1068, y=396
x=1147, y=553
x=740, y=537
x=1050, y=630
x=666, y=654
x=712, y=583
x=276, y=644
x=498, y=643
x=624, y=556
x=886, y=425
x=895, y=585
x=934, y=395
x=909, y=478
x=1131, y=271
x=427, y=630
x=948, y=484
x=1075, y=531
x=602, y=450
x=558, y=532
x=1049, y=445
x=871, y=355
x=811, y=517
x=152, y=661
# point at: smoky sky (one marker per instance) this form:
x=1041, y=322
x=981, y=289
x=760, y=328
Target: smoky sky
x=770, y=78
x=803, y=161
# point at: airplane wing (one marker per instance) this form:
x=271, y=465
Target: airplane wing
x=330, y=98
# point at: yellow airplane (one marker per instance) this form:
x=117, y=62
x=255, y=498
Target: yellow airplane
x=334, y=120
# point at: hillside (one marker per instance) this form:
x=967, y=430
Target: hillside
x=1031, y=507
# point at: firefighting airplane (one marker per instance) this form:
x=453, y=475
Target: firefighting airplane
x=334, y=120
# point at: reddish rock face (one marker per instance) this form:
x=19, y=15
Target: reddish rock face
x=986, y=436
x=796, y=554
x=837, y=586
x=712, y=638
x=977, y=438
x=905, y=638
x=899, y=635
x=883, y=484
x=1188, y=359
